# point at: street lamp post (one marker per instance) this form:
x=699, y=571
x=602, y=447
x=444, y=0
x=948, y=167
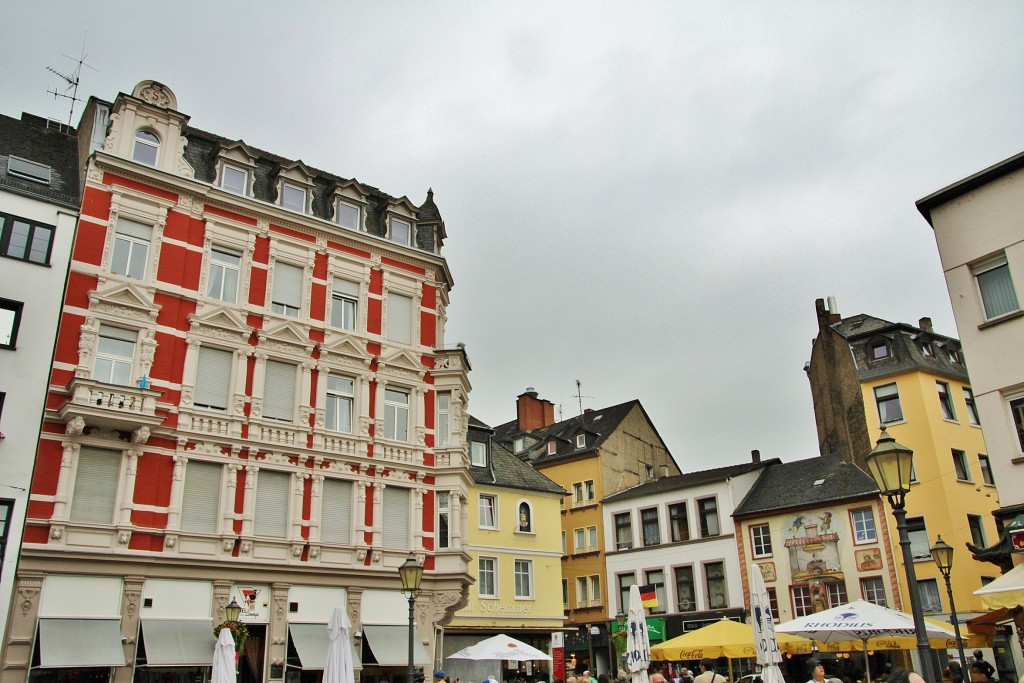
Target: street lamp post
x=942, y=553
x=891, y=465
x=411, y=572
x=620, y=626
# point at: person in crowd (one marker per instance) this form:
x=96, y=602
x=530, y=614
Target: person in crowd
x=983, y=666
x=955, y=669
x=815, y=671
x=602, y=678
x=905, y=676
x=686, y=676
x=658, y=678
x=708, y=674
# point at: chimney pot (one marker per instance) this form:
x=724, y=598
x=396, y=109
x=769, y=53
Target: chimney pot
x=755, y=456
x=925, y=324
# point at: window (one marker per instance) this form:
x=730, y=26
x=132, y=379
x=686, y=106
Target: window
x=565, y=589
x=582, y=592
x=552, y=447
x=401, y=232
x=649, y=471
x=131, y=248
x=686, y=597
x=396, y=414
x=995, y=286
x=525, y=518
x=588, y=487
x=802, y=605
x=1017, y=410
x=974, y=523
x=213, y=378
x=872, y=589
x=341, y=396
x=878, y=350
x=524, y=579
x=146, y=147
x=656, y=578
x=347, y=216
x=293, y=198
x=10, y=321
x=200, y=501
x=761, y=539
x=396, y=520
x=399, y=318
x=488, y=518
x=486, y=579
x=679, y=524
x=972, y=408
x=929, y=592
x=585, y=539
x=442, y=433
x=595, y=590
x=6, y=510
x=28, y=170
x=443, y=510
x=623, y=531
x=225, y=266
x=960, y=465
x=95, y=491
x=920, y=548
x=714, y=582
x=707, y=508
x=478, y=454
x=888, y=399
x=836, y=593
x=580, y=540
x=863, y=521
x=115, y=356
x=649, y=526
x=271, y=504
x=234, y=179
x=583, y=492
x=336, y=512
x=953, y=355
x=517, y=445
x=25, y=240
x=581, y=440
x=286, y=298
x=279, y=391
x=945, y=401
x=625, y=581
x=927, y=349
x=986, y=470
x=344, y=304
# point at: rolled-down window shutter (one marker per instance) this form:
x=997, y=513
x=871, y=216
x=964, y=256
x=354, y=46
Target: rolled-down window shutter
x=200, y=503
x=336, y=512
x=134, y=229
x=213, y=377
x=271, y=504
x=395, y=522
x=399, y=318
x=288, y=285
x=279, y=391
x=96, y=486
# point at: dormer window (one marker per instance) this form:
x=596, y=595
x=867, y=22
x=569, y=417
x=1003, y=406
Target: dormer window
x=517, y=445
x=878, y=350
x=29, y=170
x=234, y=179
x=927, y=350
x=147, y=145
x=348, y=216
x=293, y=198
x=477, y=454
x=400, y=232
x=953, y=355
x=581, y=440
x=552, y=447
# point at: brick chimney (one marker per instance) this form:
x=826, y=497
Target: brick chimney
x=755, y=456
x=533, y=413
x=925, y=324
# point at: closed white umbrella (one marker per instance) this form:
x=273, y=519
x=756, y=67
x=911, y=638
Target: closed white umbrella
x=765, y=642
x=338, y=667
x=224, y=658
x=638, y=644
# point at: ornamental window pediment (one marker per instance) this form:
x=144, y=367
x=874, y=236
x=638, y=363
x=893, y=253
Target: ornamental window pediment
x=220, y=323
x=338, y=348
x=236, y=168
x=401, y=363
x=294, y=182
x=287, y=338
x=123, y=300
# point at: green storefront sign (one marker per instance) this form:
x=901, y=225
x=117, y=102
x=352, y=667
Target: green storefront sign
x=655, y=629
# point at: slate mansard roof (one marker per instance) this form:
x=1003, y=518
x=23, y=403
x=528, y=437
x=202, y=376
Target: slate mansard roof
x=791, y=485
x=688, y=480
x=504, y=469
x=51, y=144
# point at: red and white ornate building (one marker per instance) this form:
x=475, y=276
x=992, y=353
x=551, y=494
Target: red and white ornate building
x=251, y=398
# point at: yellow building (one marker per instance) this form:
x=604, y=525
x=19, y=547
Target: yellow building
x=591, y=456
x=865, y=373
x=513, y=538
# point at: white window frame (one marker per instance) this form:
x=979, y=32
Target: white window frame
x=960, y=463
x=972, y=407
x=581, y=440
x=444, y=509
x=344, y=305
x=296, y=385
x=945, y=401
x=394, y=332
x=595, y=590
x=492, y=570
x=204, y=375
x=987, y=267
x=478, y=454
x=336, y=400
x=359, y=214
x=761, y=540
x=116, y=361
x=862, y=534
x=582, y=592
x=883, y=395
x=128, y=236
x=702, y=522
x=443, y=426
x=523, y=571
x=487, y=501
x=287, y=203
x=985, y=464
x=393, y=409
x=283, y=307
x=872, y=588
x=552, y=447
x=140, y=142
x=224, y=169
x=201, y=497
x=391, y=230
x=225, y=268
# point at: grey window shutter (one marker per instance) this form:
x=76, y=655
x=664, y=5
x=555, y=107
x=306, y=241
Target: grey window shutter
x=200, y=503
x=346, y=287
x=399, y=318
x=272, y=504
x=279, y=391
x=96, y=486
x=395, y=522
x=336, y=512
x=288, y=284
x=213, y=377
x=134, y=229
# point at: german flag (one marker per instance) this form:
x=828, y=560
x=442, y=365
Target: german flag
x=648, y=596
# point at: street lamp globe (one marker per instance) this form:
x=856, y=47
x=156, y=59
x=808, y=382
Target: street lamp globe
x=232, y=611
x=891, y=465
x=411, y=572
x=942, y=553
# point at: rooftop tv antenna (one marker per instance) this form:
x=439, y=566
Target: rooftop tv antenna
x=72, y=80
x=580, y=396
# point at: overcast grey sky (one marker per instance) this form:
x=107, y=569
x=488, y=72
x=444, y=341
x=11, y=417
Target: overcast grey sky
x=644, y=196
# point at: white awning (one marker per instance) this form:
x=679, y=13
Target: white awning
x=178, y=642
x=390, y=645
x=311, y=642
x=80, y=643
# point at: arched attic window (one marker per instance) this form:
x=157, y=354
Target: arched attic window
x=146, y=148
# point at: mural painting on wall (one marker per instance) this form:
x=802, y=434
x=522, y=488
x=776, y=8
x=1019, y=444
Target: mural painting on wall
x=767, y=571
x=814, y=555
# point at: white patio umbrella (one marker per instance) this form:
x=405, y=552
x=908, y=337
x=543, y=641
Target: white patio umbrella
x=638, y=644
x=765, y=643
x=858, y=620
x=224, y=658
x=500, y=647
x=338, y=667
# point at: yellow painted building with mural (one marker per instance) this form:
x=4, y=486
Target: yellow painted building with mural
x=513, y=537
